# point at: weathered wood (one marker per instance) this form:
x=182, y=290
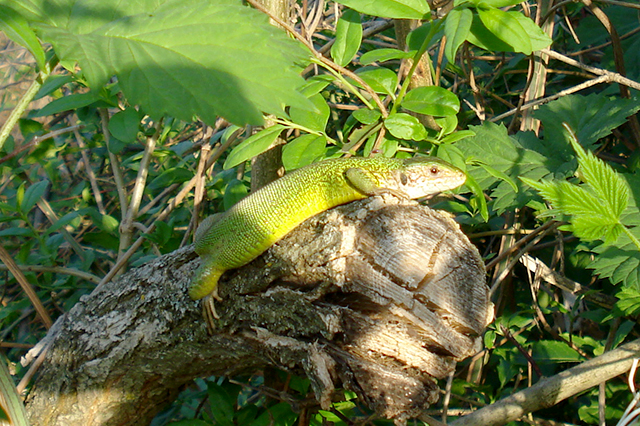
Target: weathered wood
x=380, y=296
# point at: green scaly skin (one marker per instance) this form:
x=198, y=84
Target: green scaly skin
x=245, y=231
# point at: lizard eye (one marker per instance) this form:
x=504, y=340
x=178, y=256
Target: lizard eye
x=403, y=179
x=435, y=170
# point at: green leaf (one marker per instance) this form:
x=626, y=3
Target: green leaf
x=169, y=177
x=592, y=117
x=63, y=221
x=619, y=262
x=313, y=120
x=479, y=197
x=457, y=136
x=348, y=38
x=456, y=28
x=485, y=39
x=280, y=414
x=190, y=422
x=32, y=195
x=431, y=100
x=253, y=145
x=381, y=80
x=168, y=54
x=496, y=3
x=10, y=398
x=551, y=351
x=539, y=39
x=590, y=218
x=235, y=191
x=492, y=145
x=367, y=116
x=606, y=183
x=108, y=223
x=16, y=27
x=396, y=9
x=53, y=83
x=124, y=125
x=316, y=84
x=222, y=404
x=303, y=151
x=507, y=28
x=383, y=55
x=405, y=126
x=628, y=301
x=67, y=103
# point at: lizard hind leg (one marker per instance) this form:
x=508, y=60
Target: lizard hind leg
x=205, y=282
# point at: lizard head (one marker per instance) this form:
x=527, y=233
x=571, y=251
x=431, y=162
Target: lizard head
x=422, y=176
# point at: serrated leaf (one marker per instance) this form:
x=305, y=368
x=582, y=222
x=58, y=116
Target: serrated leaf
x=606, y=183
x=619, y=262
x=396, y=9
x=431, y=100
x=591, y=117
x=492, y=145
x=457, y=28
x=32, y=195
x=167, y=54
x=628, y=301
x=405, y=126
x=312, y=119
x=252, y=146
x=303, y=151
x=507, y=28
x=590, y=219
x=383, y=55
x=124, y=125
x=381, y=80
x=348, y=38
x=16, y=27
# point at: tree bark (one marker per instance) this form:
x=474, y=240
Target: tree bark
x=381, y=296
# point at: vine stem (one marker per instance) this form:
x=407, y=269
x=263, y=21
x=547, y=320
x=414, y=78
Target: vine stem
x=423, y=48
x=22, y=107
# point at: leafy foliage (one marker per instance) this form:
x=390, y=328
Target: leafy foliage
x=111, y=156
x=180, y=46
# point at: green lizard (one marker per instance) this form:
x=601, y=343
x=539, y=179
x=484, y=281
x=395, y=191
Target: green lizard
x=250, y=227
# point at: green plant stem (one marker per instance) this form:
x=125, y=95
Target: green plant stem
x=292, y=125
x=21, y=107
x=632, y=237
x=344, y=81
x=416, y=58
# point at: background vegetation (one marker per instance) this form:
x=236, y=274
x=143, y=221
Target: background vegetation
x=124, y=124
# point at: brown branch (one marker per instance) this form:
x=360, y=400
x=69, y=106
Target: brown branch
x=550, y=391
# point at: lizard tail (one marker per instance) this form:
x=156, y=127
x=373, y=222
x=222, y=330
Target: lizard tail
x=205, y=282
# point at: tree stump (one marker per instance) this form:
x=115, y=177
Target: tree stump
x=381, y=296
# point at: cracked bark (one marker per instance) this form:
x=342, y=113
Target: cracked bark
x=380, y=296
